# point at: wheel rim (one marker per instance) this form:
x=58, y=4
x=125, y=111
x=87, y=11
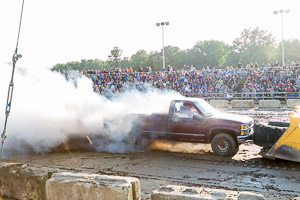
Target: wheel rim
x=131, y=139
x=222, y=145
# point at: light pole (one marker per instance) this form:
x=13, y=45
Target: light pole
x=163, y=24
x=282, y=41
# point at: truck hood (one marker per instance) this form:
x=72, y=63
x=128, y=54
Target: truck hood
x=232, y=117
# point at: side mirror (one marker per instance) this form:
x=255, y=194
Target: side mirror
x=197, y=117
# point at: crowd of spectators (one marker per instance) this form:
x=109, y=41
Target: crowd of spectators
x=273, y=79
x=189, y=81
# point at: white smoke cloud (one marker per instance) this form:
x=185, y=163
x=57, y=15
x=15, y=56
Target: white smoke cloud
x=46, y=109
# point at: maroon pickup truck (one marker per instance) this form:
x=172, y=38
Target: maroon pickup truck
x=194, y=120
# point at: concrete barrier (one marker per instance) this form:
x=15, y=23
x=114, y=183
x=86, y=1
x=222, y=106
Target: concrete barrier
x=291, y=103
x=242, y=103
x=18, y=181
x=65, y=186
x=219, y=103
x=174, y=192
x=269, y=104
x=250, y=196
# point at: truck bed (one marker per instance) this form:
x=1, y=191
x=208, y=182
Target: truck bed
x=153, y=125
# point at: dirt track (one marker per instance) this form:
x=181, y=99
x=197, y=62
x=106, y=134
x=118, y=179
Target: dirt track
x=244, y=171
x=186, y=164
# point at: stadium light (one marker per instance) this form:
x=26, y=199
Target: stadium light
x=281, y=12
x=163, y=24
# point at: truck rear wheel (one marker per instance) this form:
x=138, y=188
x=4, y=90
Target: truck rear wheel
x=131, y=138
x=138, y=144
x=223, y=144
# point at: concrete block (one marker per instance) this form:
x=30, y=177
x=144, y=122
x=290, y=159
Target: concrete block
x=242, y=103
x=66, y=185
x=291, y=103
x=18, y=181
x=174, y=192
x=250, y=196
x=269, y=104
x=219, y=103
x=219, y=194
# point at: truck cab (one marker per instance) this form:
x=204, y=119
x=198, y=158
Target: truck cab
x=191, y=120
x=195, y=120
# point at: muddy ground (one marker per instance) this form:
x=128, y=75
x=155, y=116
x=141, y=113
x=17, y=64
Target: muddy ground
x=188, y=164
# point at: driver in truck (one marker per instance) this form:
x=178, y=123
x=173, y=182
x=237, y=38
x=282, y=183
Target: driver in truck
x=187, y=111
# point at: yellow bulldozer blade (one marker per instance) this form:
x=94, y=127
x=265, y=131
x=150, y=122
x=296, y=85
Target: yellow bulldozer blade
x=288, y=145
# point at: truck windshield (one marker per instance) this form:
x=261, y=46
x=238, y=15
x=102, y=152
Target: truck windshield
x=205, y=107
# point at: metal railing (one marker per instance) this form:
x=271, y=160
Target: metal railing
x=282, y=96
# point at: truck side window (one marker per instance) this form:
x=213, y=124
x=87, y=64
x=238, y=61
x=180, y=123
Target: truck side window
x=177, y=112
x=184, y=110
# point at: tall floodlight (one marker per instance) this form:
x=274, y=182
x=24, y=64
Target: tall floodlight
x=163, y=24
x=281, y=12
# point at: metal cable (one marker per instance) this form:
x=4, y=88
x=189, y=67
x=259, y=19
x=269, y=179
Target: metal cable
x=20, y=23
x=11, y=85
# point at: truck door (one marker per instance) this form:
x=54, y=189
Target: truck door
x=186, y=123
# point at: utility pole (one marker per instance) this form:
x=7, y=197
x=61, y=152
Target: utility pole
x=282, y=40
x=163, y=24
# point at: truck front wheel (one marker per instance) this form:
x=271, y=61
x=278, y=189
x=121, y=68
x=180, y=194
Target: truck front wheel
x=223, y=144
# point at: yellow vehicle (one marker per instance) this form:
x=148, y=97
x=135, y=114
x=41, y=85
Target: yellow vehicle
x=287, y=145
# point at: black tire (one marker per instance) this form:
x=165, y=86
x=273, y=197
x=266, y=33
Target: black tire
x=266, y=134
x=236, y=150
x=142, y=145
x=106, y=129
x=279, y=124
x=137, y=143
x=224, y=144
x=131, y=139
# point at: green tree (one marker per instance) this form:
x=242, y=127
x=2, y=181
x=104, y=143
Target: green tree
x=182, y=59
x=291, y=50
x=233, y=58
x=125, y=63
x=84, y=64
x=139, y=59
x=171, y=56
x=211, y=52
x=114, y=58
x=59, y=67
x=254, y=45
x=195, y=56
x=155, y=61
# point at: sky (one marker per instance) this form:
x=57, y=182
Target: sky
x=59, y=31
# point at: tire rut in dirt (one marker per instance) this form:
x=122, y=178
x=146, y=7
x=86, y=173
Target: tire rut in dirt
x=213, y=159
